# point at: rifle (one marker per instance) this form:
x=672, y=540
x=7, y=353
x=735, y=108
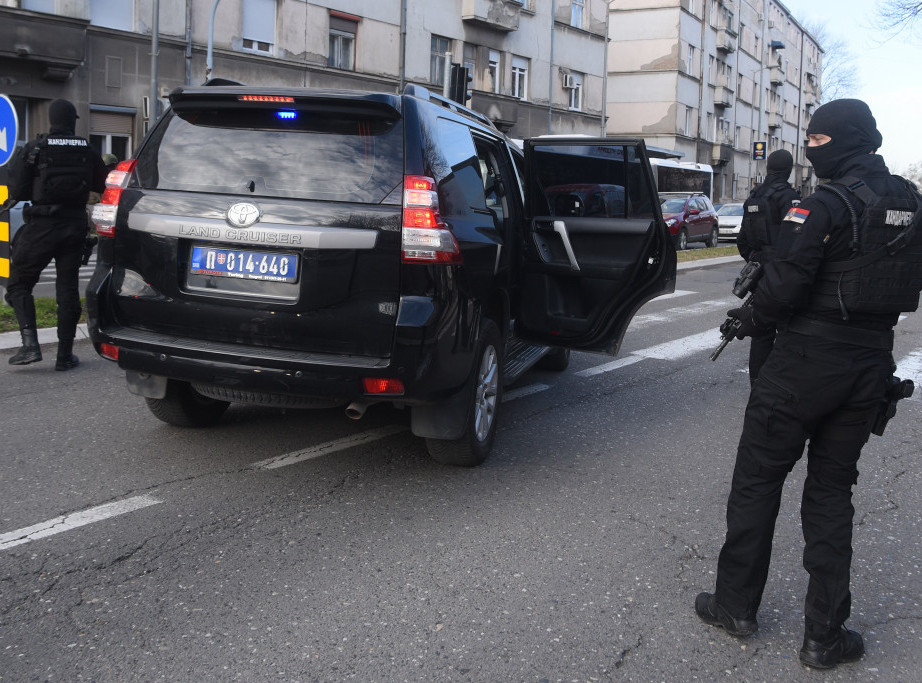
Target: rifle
x=744, y=286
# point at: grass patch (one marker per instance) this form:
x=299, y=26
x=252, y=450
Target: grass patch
x=46, y=315
x=698, y=254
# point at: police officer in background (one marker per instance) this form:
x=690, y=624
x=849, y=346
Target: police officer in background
x=851, y=268
x=56, y=173
x=760, y=232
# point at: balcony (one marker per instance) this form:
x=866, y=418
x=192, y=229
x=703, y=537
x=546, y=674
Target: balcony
x=775, y=75
x=721, y=152
x=723, y=97
x=726, y=40
x=498, y=15
x=774, y=120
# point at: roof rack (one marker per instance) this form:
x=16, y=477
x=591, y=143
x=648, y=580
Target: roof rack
x=425, y=94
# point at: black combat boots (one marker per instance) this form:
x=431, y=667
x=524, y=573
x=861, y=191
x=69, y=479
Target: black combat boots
x=841, y=645
x=30, y=351
x=66, y=358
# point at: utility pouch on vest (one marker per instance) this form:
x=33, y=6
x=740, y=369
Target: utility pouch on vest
x=62, y=166
x=884, y=274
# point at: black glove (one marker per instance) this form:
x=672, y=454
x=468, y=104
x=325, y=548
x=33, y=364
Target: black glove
x=749, y=323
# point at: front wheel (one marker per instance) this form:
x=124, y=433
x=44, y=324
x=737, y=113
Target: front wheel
x=183, y=406
x=715, y=235
x=682, y=240
x=484, y=392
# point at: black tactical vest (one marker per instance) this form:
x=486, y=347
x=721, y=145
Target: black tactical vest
x=62, y=171
x=884, y=272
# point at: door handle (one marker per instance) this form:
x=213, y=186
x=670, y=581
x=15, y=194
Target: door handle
x=561, y=229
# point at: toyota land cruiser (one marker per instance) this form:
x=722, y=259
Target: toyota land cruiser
x=309, y=248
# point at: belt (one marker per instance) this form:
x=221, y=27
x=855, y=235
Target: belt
x=874, y=339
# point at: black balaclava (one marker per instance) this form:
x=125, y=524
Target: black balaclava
x=853, y=130
x=63, y=117
x=780, y=162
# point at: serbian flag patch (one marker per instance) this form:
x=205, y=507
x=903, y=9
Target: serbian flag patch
x=797, y=215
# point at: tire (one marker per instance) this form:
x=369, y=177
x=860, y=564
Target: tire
x=681, y=242
x=484, y=391
x=183, y=406
x=715, y=236
x=556, y=360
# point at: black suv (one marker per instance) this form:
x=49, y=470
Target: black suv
x=308, y=248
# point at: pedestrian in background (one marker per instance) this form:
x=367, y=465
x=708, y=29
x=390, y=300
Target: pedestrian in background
x=835, y=296
x=56, y=172
x=760, y=232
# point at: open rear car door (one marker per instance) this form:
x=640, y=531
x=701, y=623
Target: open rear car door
x=596, y=246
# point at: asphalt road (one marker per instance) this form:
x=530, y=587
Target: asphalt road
x=302, y=546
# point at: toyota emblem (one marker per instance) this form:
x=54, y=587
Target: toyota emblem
x=242, y=215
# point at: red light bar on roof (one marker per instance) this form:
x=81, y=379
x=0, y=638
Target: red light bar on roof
x=265, y=98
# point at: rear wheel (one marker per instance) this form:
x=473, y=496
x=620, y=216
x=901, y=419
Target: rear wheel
x=681, y=242
x=715, y=235
x=484, y=392
x=556, y=360
x=183, y=406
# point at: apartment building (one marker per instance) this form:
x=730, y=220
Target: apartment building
x=712, y=80
x=533, y=73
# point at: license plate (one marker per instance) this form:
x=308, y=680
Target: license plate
x=244, y=265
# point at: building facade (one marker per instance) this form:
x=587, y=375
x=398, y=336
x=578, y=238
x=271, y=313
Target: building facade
x=712, y=80
x=533, y=73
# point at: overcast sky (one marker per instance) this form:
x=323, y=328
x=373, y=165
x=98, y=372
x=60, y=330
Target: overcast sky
x=889, y=71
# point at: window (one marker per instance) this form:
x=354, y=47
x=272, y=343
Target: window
x=46, y=6
x=520, y=77
x=709, y=130
x=690, y=66
x=576, y=92
x=258, y=25
x=342, y=43
x=494, y=71
x=688, y=121
x=112, y=14
x=736, y=137
x=470, y=62
x=576, y=12
x=439, y=47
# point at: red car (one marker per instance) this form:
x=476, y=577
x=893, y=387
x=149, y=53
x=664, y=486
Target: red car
x=690, y=217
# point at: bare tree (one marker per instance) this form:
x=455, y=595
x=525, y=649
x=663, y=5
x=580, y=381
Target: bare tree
x=895, y=15
x=913, y=172
x=839, y=77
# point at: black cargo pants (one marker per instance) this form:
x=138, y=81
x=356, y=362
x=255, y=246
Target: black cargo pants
x=827, y=393
x=39, y=241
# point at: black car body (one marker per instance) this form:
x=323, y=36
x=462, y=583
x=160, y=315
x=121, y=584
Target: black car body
x=311, y=248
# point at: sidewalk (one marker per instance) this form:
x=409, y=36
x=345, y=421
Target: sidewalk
x=49, y=335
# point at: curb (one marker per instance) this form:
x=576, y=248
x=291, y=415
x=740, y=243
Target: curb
x=49, y=335
x=46, y=335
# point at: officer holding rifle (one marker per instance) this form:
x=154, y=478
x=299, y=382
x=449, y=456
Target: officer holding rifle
x=853, y=265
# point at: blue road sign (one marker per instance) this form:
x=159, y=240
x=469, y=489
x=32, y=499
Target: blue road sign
x=9, y=129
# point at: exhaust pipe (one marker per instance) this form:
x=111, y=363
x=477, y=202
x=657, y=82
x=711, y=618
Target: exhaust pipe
x=356, y=410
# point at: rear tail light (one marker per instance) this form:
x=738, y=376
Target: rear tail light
x=109, y=351
x=104, y=212
x=382, y=385
x=425, y=237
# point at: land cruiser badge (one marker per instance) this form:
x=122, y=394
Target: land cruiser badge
x=242, y=215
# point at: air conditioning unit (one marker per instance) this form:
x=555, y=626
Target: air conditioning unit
x=569, y=81
x=772, y=23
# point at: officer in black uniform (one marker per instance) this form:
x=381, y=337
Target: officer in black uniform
x=56, y=173
x=759, y=235
x=834, y=297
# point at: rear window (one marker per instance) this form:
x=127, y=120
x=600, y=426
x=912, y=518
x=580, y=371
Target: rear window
x=731, y=210
x=301, y=154
x=673, y=205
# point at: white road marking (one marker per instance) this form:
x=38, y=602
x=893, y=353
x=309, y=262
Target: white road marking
x=677, y=293
x=673, y=350
x=521, y=392
x=683, y=312
x=295, y=457
x=75, y=520
x=608, y=367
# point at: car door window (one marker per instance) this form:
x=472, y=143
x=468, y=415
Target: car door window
x=494, y=176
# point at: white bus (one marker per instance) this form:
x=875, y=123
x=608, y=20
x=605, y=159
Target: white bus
x=683, y=176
